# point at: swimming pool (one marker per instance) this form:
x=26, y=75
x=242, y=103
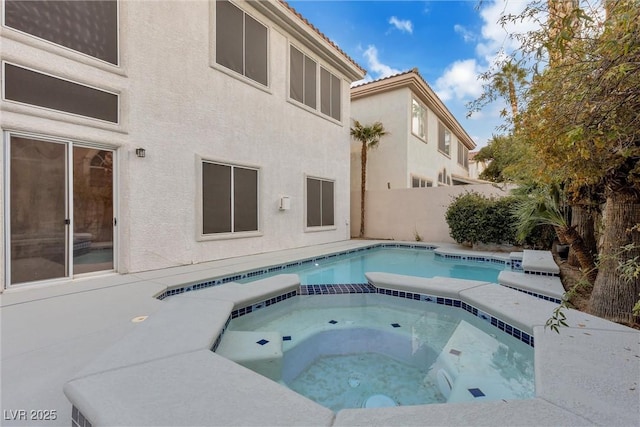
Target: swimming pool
x=373, y=350
x=417, y=261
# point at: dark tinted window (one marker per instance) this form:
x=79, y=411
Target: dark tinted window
x=241, y=42
x=90, y=27
x=229, y=198
x=320, y=206
x=31, y=87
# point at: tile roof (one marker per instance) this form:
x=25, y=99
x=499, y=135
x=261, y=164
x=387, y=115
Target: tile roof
x=321, y=34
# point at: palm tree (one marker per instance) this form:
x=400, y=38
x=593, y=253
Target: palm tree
x=505, y=82
x=546, y=205
x=369, y=137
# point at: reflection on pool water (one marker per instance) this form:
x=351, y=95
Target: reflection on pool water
x=350, y=268
x=371, y=350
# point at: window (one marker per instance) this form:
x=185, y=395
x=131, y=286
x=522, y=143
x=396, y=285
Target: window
x=418, y=182
x=443, y=178
x=418, y=120
x=444, y=139
x=319, y=203
x=302, y=72
x=463, y=155
x=329, y=94
x=229, y=198
x=303, y=78
x=89, y=27
x=34, y=88
x=241, y=42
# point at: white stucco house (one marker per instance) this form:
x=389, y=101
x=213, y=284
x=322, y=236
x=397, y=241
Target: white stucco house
x=426, y=145
x=141, y=135
x=476, y=167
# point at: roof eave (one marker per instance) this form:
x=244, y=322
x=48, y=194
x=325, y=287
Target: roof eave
x=414, y=81
x=286, y=17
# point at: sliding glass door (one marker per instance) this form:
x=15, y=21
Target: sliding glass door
x=61, y=212
x=38, y=210
x=93, y=218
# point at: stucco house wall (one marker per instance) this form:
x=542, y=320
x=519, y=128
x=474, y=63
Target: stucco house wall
x=182, y=107
x=403, y=214
x=401, y=154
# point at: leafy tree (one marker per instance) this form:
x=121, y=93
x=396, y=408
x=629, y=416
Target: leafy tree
x=505, y=156
x=582, y=122
x=369, y=137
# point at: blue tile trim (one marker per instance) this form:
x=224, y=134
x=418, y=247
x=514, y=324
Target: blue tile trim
x=541, y=296
x=474, y=258
x=334, y=289
x=283, y=268
x=262, y=304
x=542, y=273
x=450, y=302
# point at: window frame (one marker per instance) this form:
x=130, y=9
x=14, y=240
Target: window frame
x=313, y=228
x=334, y=82
x=444, y=144
x=305, y=60
x=463, y=153
x=200, y=235
x=424, y=110
x=422, y=181
x=214, y=49
x=44, y=108
x=118, y=63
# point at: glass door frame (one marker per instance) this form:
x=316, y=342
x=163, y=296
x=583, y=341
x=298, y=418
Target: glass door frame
x=69, y=231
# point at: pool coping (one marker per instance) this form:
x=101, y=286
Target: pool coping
x=568, y=390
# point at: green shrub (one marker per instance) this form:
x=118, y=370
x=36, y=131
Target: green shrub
x=475, y=218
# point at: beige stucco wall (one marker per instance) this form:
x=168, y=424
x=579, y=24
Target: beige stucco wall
x=400, y=154
x=180, y=107
x=400, y=214
x=387, y=163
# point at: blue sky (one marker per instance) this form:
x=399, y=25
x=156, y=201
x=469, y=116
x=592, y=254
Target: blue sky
x=450, y=41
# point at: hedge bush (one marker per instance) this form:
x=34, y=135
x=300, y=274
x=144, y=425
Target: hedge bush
x=475, y=218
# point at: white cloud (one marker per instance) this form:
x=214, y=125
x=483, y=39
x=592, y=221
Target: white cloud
x=460, y=81
x=495, y=36
x=403, y=25
x=467, y=35
x=375, y=66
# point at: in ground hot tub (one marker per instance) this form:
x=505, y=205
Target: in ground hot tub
x=374, y=350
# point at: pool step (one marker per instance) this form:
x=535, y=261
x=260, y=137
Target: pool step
x=548, y=288
x=539, y=263
x=259, y=351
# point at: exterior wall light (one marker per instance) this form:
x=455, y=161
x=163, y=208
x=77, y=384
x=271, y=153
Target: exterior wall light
x=141, y=152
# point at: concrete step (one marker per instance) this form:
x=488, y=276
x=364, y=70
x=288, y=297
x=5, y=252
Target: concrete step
x=548, y=288
x=540, y=263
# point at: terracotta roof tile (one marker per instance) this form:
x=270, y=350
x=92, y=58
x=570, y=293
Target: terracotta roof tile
x=313, y=27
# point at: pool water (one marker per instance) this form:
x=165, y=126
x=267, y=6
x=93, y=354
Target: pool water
x=340, y=350
x=350, y=268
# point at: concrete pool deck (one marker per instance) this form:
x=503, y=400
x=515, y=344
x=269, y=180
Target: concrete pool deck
x=51, y=333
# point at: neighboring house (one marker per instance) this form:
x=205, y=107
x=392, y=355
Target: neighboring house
x=141, y=135
x=426, y=146
x=476, y=167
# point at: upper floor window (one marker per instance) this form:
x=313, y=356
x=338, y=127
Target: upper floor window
x=444, y=139
x=229, y=198
x=418, y=120
x=303, y=84
x=89, y=27
x=330, y=94
x=43, y=90
x=241, y=42
x=463, y=155
x=302, y=78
